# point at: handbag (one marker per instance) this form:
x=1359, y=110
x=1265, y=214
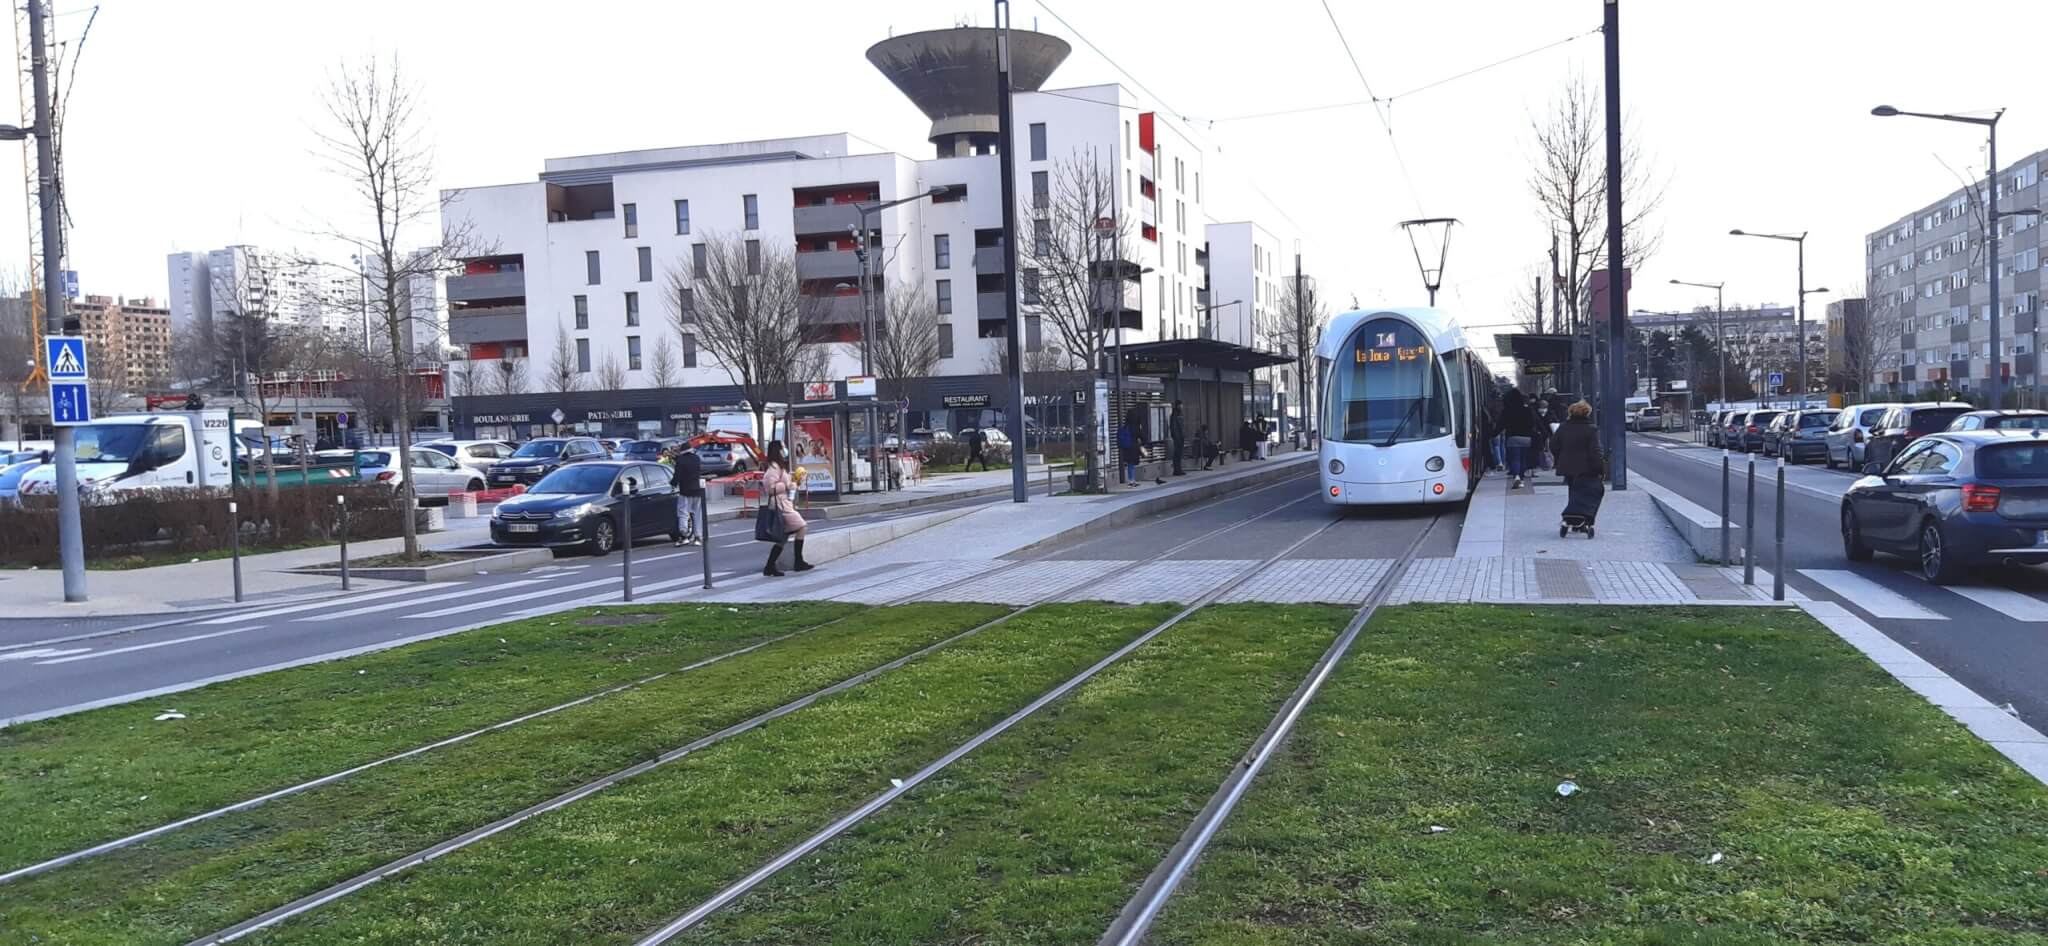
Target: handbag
x=769, y=526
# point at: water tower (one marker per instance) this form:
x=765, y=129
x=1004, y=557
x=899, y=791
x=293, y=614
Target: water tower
x=951, y=75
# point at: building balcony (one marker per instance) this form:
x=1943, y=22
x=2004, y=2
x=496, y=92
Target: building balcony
x=502, y=324
x=992, y=306
x=830, y=264
x=501, y=285
x=988, y=259
x=836, y=310
x=1145, y=166
x=827, y=218
x=1148, y=212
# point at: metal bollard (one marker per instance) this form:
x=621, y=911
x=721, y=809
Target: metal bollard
x=1778, y=569
x=704, y=533
x=1749, y=528
x=342, y=501
x=235, y=547
x=1724, y=507
x=626, y=537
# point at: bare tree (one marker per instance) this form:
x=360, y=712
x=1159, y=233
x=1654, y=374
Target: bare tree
x=253, y=342
x=373, y=142
x=906, y=344
x=1064, y=255
x=192, y=358
x=611, y=374
x=748, y=310
x=1569, y=181
x=1295, y=327
x=1526, y=305
x=507, y=376
x=1869, y=344
x=663, y=367
x=465, y=377
x=17, y=360
x=565, y=373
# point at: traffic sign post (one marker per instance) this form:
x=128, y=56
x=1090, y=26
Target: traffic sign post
x=69, y=405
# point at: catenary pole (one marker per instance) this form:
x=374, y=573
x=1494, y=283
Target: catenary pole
x=1020, y=486
x=70, y=537
x=1615, y=394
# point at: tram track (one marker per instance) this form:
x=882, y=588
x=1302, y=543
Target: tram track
x=396, y=867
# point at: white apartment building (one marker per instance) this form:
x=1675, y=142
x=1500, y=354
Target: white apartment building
x=299, y=292
x=585, y=253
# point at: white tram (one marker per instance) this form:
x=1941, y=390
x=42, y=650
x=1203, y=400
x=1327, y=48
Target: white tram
x=1405, y=409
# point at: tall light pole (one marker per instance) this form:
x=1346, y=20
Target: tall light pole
x=1994, y=386
x=1720, y=343
x=1798, y=239
x=867, y=318
x=1013, y=322
x=1616, y=394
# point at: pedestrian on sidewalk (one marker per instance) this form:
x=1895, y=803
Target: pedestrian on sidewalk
x=1127, y=443
x=1261, y=429
x=976, y=440
x=777, y=487
x=1539, y=449
x=1580, y=462
x=689, y=477
x=1177, y=435
x=1206, y=446
x=1518, y=424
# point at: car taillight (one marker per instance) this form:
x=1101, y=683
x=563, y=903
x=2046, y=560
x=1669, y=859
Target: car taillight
x=1859, y=436
x=1979, y=498
x=386, y=476
x=1752, y=428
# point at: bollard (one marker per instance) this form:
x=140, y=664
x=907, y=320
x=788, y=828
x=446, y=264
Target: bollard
x=704, y=533
x=235, y=547
x=1749, y=528
x=626, y=538
x=1778, y=569
x=342, y=501
x=1724, y=506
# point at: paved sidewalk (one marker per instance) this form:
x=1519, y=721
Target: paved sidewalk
x=1523, y=523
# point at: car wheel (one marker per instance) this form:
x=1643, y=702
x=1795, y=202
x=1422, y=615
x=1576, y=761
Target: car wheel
x=603, y=536
x=1936, y=564
x=475, y=486
x=1852, y=537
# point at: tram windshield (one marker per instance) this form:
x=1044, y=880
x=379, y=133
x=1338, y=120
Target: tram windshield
x=1385, y=387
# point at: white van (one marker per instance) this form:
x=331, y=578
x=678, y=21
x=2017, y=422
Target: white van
x=168, y=449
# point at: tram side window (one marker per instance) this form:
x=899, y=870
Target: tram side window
x=1387, y=387
x=1461, y=391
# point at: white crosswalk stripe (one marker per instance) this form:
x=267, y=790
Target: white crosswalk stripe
x=330, y=602
x=2013, y=604
x=41, y=652
x=414, y=602
x=1879, y=601
x=152, y=645
x=498, y=602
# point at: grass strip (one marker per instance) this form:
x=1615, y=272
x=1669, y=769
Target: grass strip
x=70, y=782
x=1042, y=835
x=238, y=866
x=620, y=863
x=1842, y=807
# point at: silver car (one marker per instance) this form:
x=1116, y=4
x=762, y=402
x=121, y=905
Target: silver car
x=477, y=455
x=433, y=473
x=1850, y=431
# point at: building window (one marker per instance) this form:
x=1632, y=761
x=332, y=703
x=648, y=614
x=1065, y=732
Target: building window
x=689, y=351
x=686, y=303
x=699, y=264
x=1030, y=287
x=1037, y=141
x=942, y=251
x=632, y=309
x=1041, y=238
x=632, y=214
x=751, y=205
x=583, y=356
x=945, y=339
x=1041, y=190
x=753, y=257
x=2027, y=261
x=645, y=257
x=945, y=297
x=682, y=217
x=582, y=313
x=633, y=352
x=590, y=267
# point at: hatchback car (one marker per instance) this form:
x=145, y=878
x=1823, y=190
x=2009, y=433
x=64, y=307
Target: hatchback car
x=1954, y=500
x=537, y=458
x=1849, y=433
x=2000, y=420
x=10, y=478
x=1748, y=434
x=584, y=504
x=433, y=472
x=1797, y=435
x=720, y=459
x=648, y=450
x=1906, y=423
x=478, y=455
x=1649, y=418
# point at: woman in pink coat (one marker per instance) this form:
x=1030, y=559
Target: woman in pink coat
x=778, y=490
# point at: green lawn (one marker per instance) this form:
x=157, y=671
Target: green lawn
x=1844, y=808
x=74, y=781
x=1040, y=836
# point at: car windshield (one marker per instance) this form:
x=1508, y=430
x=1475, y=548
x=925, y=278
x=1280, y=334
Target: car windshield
x=1816, y=420
x=1761, y=418
x=2017, y=461
x=2022, y=422
x=375, y=458
x=1870, y=417
x=643, y=448
x=577, y=479
x=1934, y=418
x=109, y=443
x=444, y=449
x=540, y=448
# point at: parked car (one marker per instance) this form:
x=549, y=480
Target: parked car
x=648, y=450
x=537, y=458
x=1801, y=434
x=10, y=478
x=1952, y=501
x=1717, y=427
x=433, y=473
x=478, y=455
x=583, y=505
x=1906, y=423
x=720, y=459
x=1748, y=435
x=2000, y=420
x=1848, y=435
x=1648, y=418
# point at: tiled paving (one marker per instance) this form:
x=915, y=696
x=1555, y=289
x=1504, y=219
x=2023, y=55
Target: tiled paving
x=1534, y=580
x=1320, y=581
x=1028, y=583
x=916, y=581
x=1169, y=580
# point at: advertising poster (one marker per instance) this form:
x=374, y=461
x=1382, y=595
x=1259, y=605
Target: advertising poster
x=814, y=454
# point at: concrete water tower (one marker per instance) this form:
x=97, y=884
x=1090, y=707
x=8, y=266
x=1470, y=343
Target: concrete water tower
x=951, y=75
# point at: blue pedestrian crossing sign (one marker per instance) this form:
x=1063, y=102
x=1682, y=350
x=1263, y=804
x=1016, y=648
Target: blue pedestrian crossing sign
x=69, y=405
x=1777, y=379
x=65, y=358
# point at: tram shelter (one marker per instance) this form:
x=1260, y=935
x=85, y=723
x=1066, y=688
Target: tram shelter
x=1210, y=377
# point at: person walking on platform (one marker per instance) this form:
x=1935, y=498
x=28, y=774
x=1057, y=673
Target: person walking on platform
x=1579, y=460
x=1539, y=449
x=1177, y=435
x=976, y=440
x=777, y=487
x=689, y=478
x=1128, y=441
x=1518, y=423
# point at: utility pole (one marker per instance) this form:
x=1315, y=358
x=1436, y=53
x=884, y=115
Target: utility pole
x=1615, y=394
x=1300, y=334
x=70, y=537
x=1020, y=486
x=1537, y=285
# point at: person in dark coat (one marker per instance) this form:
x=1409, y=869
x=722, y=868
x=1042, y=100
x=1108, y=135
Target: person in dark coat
x=1128, y=442
x=1206, y=446
x=976, y=440
x=1539, y=448
x=1576, y=449
x=1518, y=424
x=1247, y=439
x=1177, y=433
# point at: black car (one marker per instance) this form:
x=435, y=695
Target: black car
x=2000, y=420
x=1906, y=423
x=1953, y=501
x=1802, y=434
x=537, y=458
x=648, y=450
x=584, y=505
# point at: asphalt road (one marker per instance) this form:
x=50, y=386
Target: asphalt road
x=1991, y=634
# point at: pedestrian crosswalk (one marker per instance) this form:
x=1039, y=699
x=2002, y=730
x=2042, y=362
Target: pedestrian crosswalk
x=2013, y=604
x=1906, y=598
x=1874, y=598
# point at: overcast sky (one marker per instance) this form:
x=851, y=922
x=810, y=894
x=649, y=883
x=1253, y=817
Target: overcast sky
x=192, y=126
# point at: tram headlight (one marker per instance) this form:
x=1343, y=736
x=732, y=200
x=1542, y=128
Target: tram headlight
x=1336, y=467
x=1435, y=464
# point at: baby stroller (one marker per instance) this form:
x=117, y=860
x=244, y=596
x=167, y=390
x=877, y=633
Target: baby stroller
x=1582, y=505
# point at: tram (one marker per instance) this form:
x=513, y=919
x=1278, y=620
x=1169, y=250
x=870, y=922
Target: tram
x=1406, y=409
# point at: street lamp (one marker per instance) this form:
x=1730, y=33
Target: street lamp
x=1720, y=344
x=1994, y=385
x=867, y=319
x=1799, y=239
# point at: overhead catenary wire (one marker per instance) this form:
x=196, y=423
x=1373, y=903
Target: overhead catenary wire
x=1386, y=121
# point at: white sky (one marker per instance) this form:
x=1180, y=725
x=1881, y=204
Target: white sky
x=192, y=127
